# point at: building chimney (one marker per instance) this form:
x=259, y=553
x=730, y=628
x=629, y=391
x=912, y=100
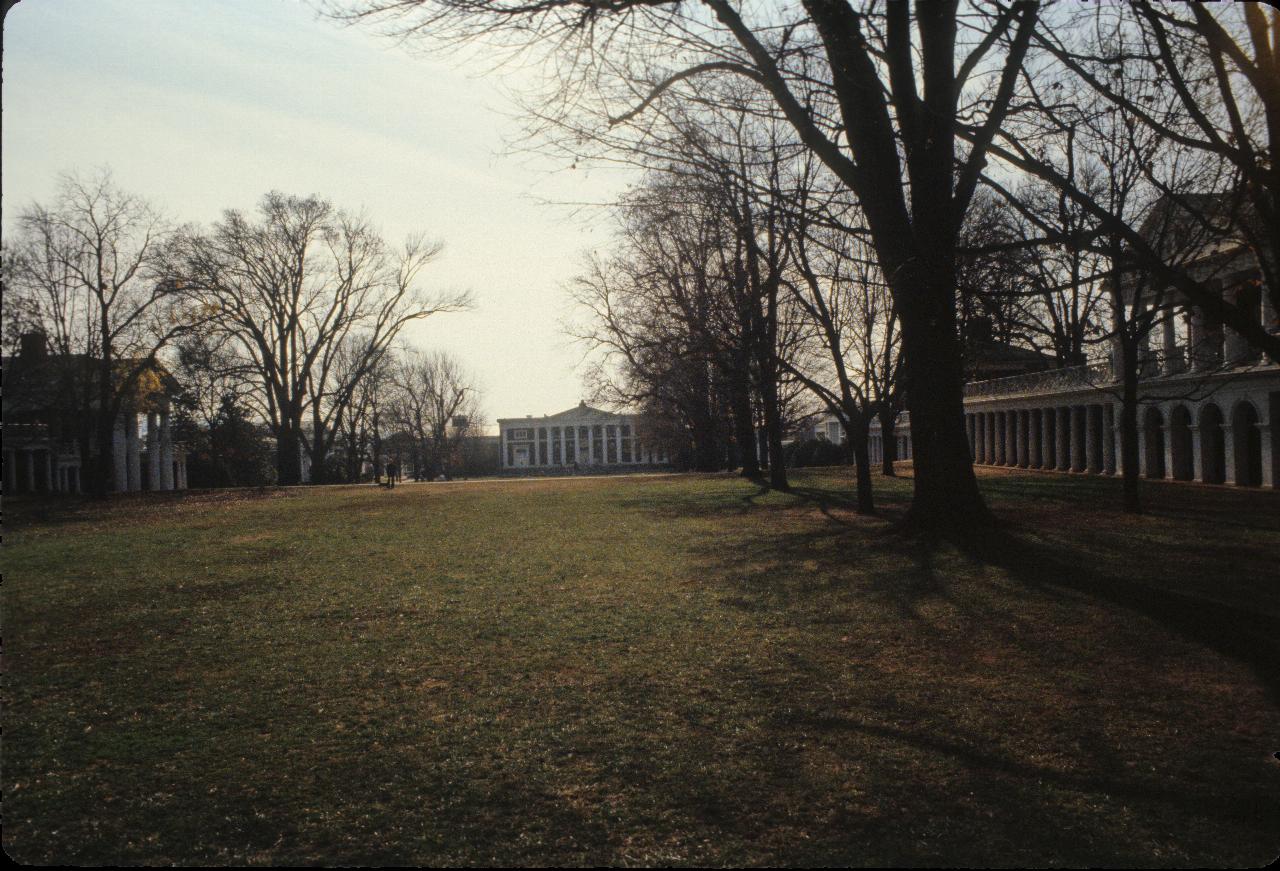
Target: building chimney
x=33, y=347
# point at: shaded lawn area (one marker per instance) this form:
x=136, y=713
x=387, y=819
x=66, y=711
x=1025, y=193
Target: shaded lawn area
x=662, y=670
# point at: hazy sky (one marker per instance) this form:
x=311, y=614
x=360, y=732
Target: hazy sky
x=201, y=105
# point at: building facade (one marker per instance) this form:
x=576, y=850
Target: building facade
x=1207, y=412
x=581, y=439
x=1212, y=427
x=46, y=437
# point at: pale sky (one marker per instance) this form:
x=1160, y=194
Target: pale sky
x=201, y=105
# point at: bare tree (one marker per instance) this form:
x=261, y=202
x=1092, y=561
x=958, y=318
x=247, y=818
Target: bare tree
x=290, y=288
x=875, y=92
x=86, y=271
x=436, y=403
x=1129, y=199
x=839, y=291
x=1197, y=77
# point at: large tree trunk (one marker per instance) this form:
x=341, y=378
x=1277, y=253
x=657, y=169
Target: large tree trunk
x=1129, y=429
x=860, y=426
x=706, y=449
x=945, y=494
x=104, y=470
x=288, y=454
x=773, y=431
x=888, y=440
x=743, y=430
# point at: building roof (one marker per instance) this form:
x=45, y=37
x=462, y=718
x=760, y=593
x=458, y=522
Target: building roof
x=580, y=412
x=42, y=383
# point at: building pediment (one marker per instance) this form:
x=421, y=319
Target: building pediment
x=582, y=413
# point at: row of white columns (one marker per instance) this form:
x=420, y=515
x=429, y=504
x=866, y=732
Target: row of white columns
x=163, y=473
x=41, y=471
x=1086, y=439
x=1074, y=438
x=544, y=435
x=875, y=447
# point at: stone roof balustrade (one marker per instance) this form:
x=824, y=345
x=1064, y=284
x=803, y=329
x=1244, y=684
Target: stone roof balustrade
x=1049, y=381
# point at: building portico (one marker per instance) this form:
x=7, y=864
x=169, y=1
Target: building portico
x=579, y=439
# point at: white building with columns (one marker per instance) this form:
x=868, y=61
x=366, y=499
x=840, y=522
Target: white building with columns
x=1215, y=427
x=43, y=431
x=581, y=439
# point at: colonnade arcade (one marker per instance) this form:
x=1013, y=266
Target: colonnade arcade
x=1222, y=439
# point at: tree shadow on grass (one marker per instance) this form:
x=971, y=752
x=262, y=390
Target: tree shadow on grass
x=1041, y=802
x=1237, y=625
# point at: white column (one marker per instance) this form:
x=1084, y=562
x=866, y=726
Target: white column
x=1033, y=438
x=1047, y=460
x=997, y=417
x=1237, y=346
x=1062, y=433
x=1144, y=459
x=119, y=456
x=1171, y=364
x=1268, y=456
x=133, y=449
x=1093, y=438
x=1108, y=439
x=1228, y=453
x=1197, y=352
x=591, y=445
x=166, y=454
x=1077, y=439
x=502, y=446
x=617, y=436
x=48, y=471
x=1019, y=440
x=153, y=451
x=1197, y=461
x=1011, y=438
x=1167, y=429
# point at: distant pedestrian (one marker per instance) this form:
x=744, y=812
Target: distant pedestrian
x=391, y=475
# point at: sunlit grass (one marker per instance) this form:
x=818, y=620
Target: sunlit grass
x=664, y=670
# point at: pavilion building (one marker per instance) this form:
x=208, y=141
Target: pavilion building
x=47, y=434
x=581, y=439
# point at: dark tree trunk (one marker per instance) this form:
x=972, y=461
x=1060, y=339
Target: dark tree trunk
x=773, y=432
x=945, y=492
x=104, y=470
x=1131, y=473
x=858, y=437
x=888, y=441
x=706, y=449
x=743, y=431
x=288, y=455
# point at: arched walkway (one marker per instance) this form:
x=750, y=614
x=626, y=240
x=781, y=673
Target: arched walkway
x=1212, y=448
x=1180, y=443
x=1153, y=442
x=1246, y=441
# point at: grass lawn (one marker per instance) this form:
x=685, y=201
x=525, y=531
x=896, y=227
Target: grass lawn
x=639, y=671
